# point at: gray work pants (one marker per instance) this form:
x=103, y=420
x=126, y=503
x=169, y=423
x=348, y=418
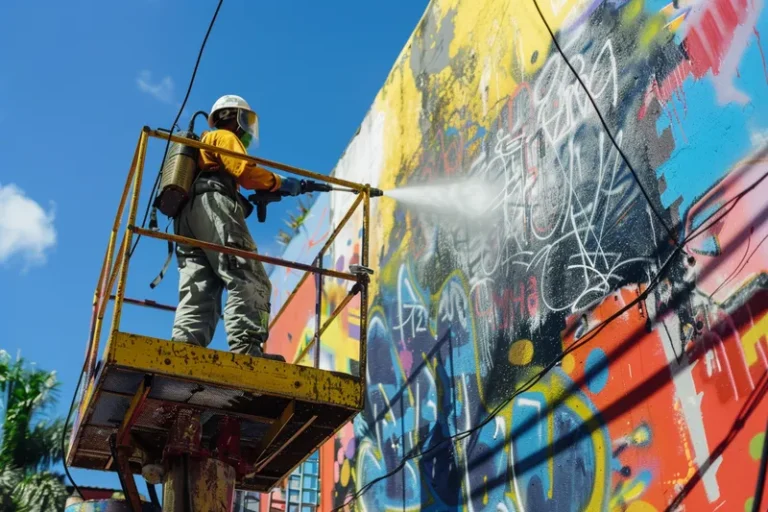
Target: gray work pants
x=203, y=275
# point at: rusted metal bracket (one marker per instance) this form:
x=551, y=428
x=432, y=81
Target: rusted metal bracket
x=275, y=429
x=134, y=411
x=120, y=455
x=121, y=447
x=262, y=464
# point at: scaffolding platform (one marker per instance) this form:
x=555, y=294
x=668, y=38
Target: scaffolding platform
x=285, y=411
x=151, y=406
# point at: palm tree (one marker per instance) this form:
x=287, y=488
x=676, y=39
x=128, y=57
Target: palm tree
x=30, y=441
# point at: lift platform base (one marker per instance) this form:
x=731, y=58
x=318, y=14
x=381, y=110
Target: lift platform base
x=284, y=411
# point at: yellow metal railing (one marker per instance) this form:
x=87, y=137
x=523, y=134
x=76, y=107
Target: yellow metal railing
x=114, y=269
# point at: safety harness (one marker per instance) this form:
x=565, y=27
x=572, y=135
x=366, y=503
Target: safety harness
x=211, y=180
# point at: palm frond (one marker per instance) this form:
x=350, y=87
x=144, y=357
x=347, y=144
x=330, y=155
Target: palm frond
x=29, y=392
x=41, y=492
x=10, y=476
x=42, y=447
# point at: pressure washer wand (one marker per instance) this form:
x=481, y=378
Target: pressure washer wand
x=262, y=198
x=314, y=186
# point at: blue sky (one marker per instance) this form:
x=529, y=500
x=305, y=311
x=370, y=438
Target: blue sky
x=80, y=79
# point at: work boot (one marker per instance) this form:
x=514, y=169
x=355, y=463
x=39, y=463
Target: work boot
x=257, y=352
x=274, y=357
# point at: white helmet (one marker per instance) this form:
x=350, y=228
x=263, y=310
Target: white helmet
x=230, y=107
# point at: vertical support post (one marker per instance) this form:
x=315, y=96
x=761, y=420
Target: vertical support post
x=92, y=327
x=199, y=485
x=195, y=481
x=318, y=309
x=126, y=248
x=301, y=485
x=95, y=333
x=364, y=290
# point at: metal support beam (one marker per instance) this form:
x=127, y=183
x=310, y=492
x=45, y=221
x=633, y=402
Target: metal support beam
x=331, y=238
x=134, y=411
x=261, y=161
x=147, y=303
x=318, y=309
x=120, y=455
x=199, y=485
x=122, y=277
x=283, y=446
x=336, y=312
x=275, y=429
x=240, y=252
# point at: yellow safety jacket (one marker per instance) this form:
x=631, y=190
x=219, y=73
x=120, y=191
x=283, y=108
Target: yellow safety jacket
x=248, y=175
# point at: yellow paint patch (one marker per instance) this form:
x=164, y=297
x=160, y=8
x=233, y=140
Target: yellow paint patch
x=521, y=352
x=756, y=446
x=674, y=25
x=640, y=436
x=633, y=491
x=653, y=27
x=750, y=340
x=569, y=364
x=633, y=10
x=641, y=506
x=345, y=473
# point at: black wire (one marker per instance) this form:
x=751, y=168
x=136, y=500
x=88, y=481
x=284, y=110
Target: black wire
x=760, y=484
x=716, y=216
x=64, y=433
x=532, y=381
x=175, y=123
x=525, y=387
x=143, y=223
x=605, y=126
x=653, y=283
x=731, y=204
x=123, y=483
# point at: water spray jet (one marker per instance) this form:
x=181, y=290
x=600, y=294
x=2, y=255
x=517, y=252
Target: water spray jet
x=467, y=199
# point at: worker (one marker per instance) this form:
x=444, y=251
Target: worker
x=216, y=213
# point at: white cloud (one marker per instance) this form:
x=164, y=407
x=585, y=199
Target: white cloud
x=26, y=229
x=161, y=91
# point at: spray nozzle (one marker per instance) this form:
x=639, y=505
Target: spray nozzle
x=372, y=192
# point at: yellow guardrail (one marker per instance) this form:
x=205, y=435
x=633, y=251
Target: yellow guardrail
x=114, y=269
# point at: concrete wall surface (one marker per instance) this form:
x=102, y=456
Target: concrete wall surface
x=592, y=362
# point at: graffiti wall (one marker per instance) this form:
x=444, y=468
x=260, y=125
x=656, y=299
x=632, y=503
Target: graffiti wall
x=592, y=336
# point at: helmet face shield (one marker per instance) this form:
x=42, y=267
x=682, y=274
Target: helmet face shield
x=248, y=121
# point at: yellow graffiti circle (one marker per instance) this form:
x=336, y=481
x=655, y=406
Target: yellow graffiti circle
x=521, y=352
x=344, y=479
x=556, y=389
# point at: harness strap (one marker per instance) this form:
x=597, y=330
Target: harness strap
x=168, y=258
x=206, y=181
